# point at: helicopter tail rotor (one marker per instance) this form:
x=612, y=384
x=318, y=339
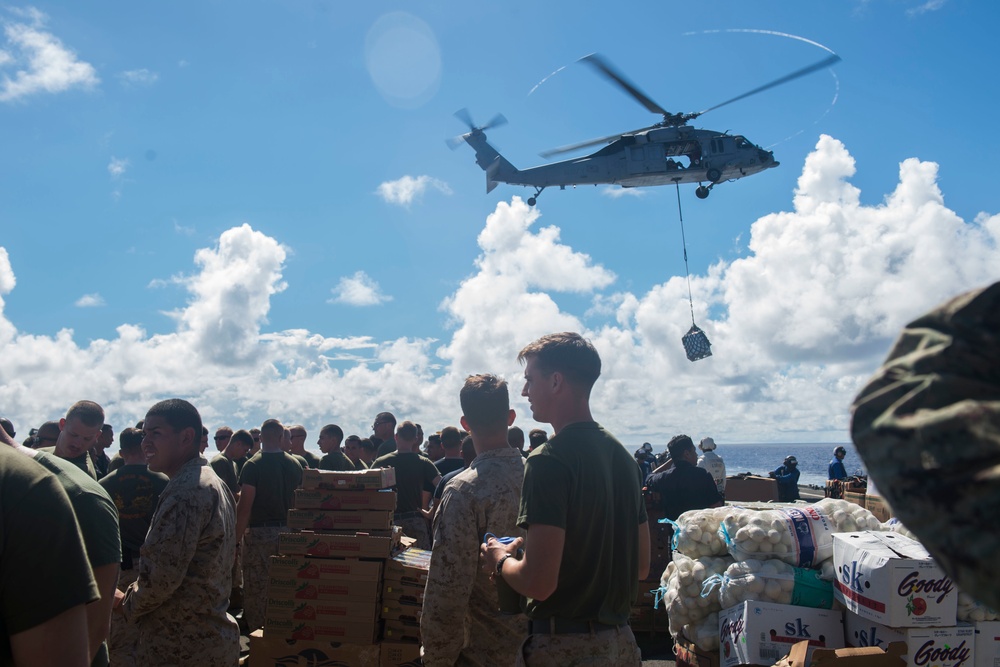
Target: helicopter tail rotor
x=464, y=116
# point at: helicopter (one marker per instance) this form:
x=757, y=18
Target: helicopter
x=667, y=152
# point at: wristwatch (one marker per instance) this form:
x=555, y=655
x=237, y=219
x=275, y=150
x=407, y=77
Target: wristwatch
x=500, y=562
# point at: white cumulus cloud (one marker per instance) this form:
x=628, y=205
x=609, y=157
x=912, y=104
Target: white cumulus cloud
x=34, y=61
x=89, y=301
x=408, y=189
x=358, y=290
x=797, y=324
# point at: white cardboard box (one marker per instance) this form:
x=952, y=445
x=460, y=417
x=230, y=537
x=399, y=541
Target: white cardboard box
x=891, y=579
x=987, y=643
x=953, y=646
x=759, y=633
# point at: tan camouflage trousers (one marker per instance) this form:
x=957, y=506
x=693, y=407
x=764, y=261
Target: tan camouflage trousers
x=610, y=648
x=416, y=527
x=259, y=544
x=123, y=640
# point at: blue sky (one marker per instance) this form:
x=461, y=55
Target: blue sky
x=253, y=206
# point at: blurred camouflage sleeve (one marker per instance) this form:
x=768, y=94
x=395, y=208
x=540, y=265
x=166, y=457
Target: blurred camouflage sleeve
x=454, y=564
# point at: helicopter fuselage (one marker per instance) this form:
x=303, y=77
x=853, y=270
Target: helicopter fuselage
x=657, y=156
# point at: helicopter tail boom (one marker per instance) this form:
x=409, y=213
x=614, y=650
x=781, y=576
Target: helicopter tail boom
x=498, y=169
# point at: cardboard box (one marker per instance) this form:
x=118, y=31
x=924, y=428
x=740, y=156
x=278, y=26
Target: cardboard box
x=759, y=633
x=323, y=589
x=401, y=610
x=877, y=506
x=987, y=643
x=340, y=520
x=687, y=654
x=402, y=631
x=323, y=499
x=855, y=497
x=891, y=579
x=751, y=488
x=306, y=567
x=344, y=631
x=941, y=647
x=322, y=610
x=358, y=545
x=845, y=657
x=274, y=651
x=393, y=590
x=374, y=478
x=409, y=567
x=400, y=654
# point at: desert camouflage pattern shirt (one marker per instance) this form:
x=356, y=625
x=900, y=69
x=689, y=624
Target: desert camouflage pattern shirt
x=185, y=571
x=461, y=624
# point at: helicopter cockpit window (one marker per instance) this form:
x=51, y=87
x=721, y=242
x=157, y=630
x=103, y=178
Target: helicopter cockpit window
x=742, y=143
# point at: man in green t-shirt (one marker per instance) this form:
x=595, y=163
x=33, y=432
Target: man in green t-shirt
x=78, y=432
x=330, y=437
x=416, y=478
x=587, y=538
x=38, y=527
x=267, y=491
x=298, y=435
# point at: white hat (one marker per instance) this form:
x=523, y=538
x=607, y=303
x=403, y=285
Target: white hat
x=707, y=444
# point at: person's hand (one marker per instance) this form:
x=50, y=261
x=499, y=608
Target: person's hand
x=771, y=474
x=117, y=605
x=491, y=551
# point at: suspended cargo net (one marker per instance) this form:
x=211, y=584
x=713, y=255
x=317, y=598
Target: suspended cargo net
x=696, y=343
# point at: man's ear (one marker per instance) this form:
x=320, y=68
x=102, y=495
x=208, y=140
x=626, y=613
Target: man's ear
x=511, y=415
x=464, y=423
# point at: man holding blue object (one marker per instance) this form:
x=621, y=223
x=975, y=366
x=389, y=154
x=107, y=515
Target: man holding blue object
x=587, y=543
x=461, y=623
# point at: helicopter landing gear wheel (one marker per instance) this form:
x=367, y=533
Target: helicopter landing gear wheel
x=531, y=201
x=714, y=175
x=701, y=192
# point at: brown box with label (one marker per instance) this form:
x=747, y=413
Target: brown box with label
x=340, y=520
x=322, y=610
x=751, y=488
x=855, y=497
x=335, y=545
x=322, y=589
x=400, y=654
x=344, y=631
x=276, y=651
x=402, y=631
x=326, y=499
x=409, y=567
x=307, y=567
x=877, y=506
x=374, y=478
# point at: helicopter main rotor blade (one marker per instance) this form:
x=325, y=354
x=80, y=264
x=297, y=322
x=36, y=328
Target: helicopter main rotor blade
x=607, y=70
x=826, y=62
x=463, y=115
x=592, y=142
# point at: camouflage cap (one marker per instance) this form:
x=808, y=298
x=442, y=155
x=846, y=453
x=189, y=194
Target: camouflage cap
x=927, y=426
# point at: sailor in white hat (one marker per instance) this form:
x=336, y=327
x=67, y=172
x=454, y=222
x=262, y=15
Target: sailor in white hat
x=713, y=463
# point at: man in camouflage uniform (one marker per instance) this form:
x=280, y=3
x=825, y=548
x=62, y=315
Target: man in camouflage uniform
x=461, y=623
x=181, y=596
x=135, y=491
x=267, y=491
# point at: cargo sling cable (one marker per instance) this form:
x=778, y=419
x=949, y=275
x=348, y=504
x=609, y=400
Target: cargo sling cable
x=696, y=343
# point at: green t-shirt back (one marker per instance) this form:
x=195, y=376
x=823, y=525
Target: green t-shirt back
x=275, y=476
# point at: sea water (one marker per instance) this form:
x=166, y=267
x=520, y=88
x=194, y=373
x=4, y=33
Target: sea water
x=759, y=459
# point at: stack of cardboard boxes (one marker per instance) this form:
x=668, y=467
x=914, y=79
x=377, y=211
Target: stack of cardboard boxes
x=895, y=592
x=325, y=592
x=403, y=595
x=888, y=589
